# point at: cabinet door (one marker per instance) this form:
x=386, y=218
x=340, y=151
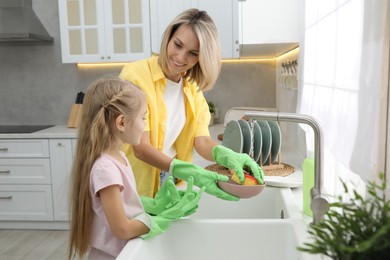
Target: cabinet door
x=161, y=14
x=104, y=30
x=82, y=31
x=61, y=160
x=223, y=12
x=276, y=21
x=225, y=16
x=127, y=29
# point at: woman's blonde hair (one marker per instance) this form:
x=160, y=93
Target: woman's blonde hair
x=206, y=71
x=104, y=101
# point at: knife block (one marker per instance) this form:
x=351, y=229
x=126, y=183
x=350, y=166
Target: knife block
x=75, y=116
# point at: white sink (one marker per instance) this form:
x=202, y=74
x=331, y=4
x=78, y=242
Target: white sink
x=223, y=230
x=191, y=239
x=271, y=203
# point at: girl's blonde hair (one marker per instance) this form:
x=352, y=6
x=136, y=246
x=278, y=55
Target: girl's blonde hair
x=104, y=101
x=206, y=71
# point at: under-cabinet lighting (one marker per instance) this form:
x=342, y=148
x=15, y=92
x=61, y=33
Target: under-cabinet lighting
x=95, y=65
x=246, y=60
x=288, y=53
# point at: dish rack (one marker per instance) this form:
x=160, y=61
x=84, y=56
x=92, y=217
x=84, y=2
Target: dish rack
x=273, y=165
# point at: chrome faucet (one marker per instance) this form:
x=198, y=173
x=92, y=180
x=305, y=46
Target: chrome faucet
x=319, y=203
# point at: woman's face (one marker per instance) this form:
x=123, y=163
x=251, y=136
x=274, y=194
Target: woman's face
x=182, y=52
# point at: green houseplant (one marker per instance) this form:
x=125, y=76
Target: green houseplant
x=212, y=111
x=358, y=229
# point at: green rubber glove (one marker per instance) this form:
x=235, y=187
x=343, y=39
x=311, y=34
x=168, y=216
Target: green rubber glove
x=237, y=161
x=202, y=177
x=185, y=206
x=159, y=226
x=166, y=196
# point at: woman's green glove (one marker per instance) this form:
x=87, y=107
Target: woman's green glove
x=184, y=207
x=202, y=177
x=237, y=161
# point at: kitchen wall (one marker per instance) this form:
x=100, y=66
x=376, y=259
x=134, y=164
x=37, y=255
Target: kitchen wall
x=36, y=88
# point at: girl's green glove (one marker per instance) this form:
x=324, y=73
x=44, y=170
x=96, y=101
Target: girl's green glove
x=184, y=207
x=166, y=196
x=202, y=177
x=237, y=161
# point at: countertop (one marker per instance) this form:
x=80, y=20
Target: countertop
x=57, y=131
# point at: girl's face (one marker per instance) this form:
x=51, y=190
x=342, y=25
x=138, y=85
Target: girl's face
x=182, y=52
x=135, y=129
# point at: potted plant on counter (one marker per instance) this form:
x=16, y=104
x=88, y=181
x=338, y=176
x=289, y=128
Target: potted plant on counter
x=358, y=229
x=212, y=111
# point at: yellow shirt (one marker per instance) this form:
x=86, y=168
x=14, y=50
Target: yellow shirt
x=148, y=75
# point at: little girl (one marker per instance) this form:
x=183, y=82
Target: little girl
x=106, y=210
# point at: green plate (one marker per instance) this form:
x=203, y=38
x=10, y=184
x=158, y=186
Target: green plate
x=266, y=138
x=246, y=135
x=276, y=140
x=232, y=137
x=257, y=141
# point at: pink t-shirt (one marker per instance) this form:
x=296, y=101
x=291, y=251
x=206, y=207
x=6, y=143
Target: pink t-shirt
x=107, y=171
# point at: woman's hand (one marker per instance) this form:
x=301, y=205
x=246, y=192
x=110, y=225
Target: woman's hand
x=202, y=177
x=237, y=161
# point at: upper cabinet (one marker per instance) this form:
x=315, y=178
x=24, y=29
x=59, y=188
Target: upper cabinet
x=269, y=28
x=247, y=28
x=223, y=12
x=127, y=30
x=104, y=30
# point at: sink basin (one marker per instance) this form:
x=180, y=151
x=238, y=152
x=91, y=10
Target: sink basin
x=272, y=203
x=25, y=129
x=219, y=239
x=267, y=226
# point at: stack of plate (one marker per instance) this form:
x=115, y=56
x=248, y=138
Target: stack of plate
x=257, y=139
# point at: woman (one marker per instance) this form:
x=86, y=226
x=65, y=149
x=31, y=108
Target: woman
x=189, y=63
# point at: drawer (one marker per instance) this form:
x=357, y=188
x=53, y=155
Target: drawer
x=24, y=148
x=25, y=171
x=26, y=202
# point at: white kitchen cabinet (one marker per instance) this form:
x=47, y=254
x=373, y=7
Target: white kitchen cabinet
x=25, y=183
x=61, y=159
x=223, y=12
x=276, y=21
x=269, y=28
x=104, y=30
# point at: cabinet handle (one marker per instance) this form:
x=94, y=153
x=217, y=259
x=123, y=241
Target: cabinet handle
x=60, y=144
x=102, y=57
x=109, y=57
x=4, y=149
x=5, y=172
x=6, y=198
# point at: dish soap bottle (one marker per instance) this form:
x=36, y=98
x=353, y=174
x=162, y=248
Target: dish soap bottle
x=308, y=183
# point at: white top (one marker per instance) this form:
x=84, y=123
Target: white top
x=176, y=117
x=107, y=171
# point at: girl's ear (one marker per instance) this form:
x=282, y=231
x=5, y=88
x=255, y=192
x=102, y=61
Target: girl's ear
x=120, y=123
